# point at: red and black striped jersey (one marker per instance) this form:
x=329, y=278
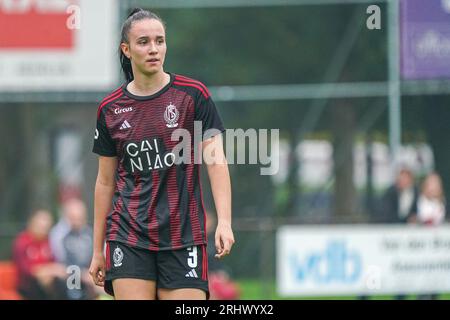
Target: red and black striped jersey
x=157, y=203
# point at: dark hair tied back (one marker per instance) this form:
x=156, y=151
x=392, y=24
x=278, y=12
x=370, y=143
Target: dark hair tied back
x=136, y=14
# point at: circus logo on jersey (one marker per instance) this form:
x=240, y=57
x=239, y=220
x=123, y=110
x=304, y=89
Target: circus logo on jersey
x=171, y=116
x=118, y=257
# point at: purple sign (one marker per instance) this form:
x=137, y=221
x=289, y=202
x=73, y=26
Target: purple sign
x=425, y=39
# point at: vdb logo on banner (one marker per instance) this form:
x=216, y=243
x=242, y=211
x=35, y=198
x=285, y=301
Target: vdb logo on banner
x=362, y=260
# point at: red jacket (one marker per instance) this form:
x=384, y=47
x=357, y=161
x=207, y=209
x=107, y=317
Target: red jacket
x=28, y=252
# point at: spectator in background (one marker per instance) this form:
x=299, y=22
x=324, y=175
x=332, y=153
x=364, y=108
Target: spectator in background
x=39, y=276
x=58, y=232
x=430, y=209
x=77, y=247
x=431, y=203
x=399, y=203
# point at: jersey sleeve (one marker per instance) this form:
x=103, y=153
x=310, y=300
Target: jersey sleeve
x=103, y=143
x=207, y=113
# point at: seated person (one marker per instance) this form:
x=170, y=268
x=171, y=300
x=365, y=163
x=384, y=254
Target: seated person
x=431, y=203
x=39, y=276
x=77, y=247
x=399, y=203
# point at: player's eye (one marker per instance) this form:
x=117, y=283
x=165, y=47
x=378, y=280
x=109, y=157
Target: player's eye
x=160, y=41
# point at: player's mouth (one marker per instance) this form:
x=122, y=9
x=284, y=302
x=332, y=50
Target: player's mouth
x=152, y=61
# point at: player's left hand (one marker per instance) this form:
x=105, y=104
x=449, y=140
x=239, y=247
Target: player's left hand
x=224, y=239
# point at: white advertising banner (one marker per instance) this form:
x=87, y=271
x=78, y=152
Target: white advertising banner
x=58, y=45
x=362, y=260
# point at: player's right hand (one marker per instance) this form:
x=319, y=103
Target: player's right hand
x=97, y=269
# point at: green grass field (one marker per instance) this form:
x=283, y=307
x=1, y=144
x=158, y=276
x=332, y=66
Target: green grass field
x=254, y=290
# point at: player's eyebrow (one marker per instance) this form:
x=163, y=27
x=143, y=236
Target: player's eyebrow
x=147, y=37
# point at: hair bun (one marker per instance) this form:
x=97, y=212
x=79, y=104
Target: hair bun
x=135, y=10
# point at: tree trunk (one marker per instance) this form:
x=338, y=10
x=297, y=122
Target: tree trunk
x=343, y=126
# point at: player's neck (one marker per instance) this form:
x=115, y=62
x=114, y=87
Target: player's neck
x=145, y=86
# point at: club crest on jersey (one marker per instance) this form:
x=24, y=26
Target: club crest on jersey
x=171, y=116
x=118, y=257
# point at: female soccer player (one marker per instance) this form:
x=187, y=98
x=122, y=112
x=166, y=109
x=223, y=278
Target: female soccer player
x=148, y=204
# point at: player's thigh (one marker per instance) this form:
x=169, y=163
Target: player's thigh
x=134, y=289
x=131, y=272
x=181, y=294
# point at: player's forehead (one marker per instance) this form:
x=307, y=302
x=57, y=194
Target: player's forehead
x=150, y=28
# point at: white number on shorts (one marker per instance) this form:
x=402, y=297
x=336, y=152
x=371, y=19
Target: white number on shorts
x=192, y=259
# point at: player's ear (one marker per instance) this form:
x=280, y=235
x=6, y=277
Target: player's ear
x=125, y=47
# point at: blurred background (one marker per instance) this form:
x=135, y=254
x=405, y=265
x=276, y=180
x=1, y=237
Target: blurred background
x=358, y=89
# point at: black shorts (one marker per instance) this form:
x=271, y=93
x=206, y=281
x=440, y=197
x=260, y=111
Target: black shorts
x=170, y=269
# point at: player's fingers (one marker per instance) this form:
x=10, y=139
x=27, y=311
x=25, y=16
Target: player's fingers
x=226, y=249
x=221, y=254
x=97, y=275
x=93, y=273
x=227, y=246
x=218, y=244
x=99, y=279
x=94, y=278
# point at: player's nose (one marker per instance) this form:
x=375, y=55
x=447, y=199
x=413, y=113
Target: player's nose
x=153, y=48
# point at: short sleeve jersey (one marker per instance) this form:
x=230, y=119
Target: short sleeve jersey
x=157, y=203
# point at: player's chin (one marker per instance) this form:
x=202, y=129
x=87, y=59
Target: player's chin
x=150, y=71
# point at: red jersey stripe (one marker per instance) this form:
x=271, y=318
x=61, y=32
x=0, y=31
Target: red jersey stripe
x=205, y=264
x=108, y=262
x=174, y=209
x=186, y=79
x=152, y=219
x=203, y=203
x=187, y=84
x=113, y=232
x=204, y=90
x=133, y=207
x=113, y=93
x=193, y=206
x=110, y=95
x=105, y=102
x=108, y=100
